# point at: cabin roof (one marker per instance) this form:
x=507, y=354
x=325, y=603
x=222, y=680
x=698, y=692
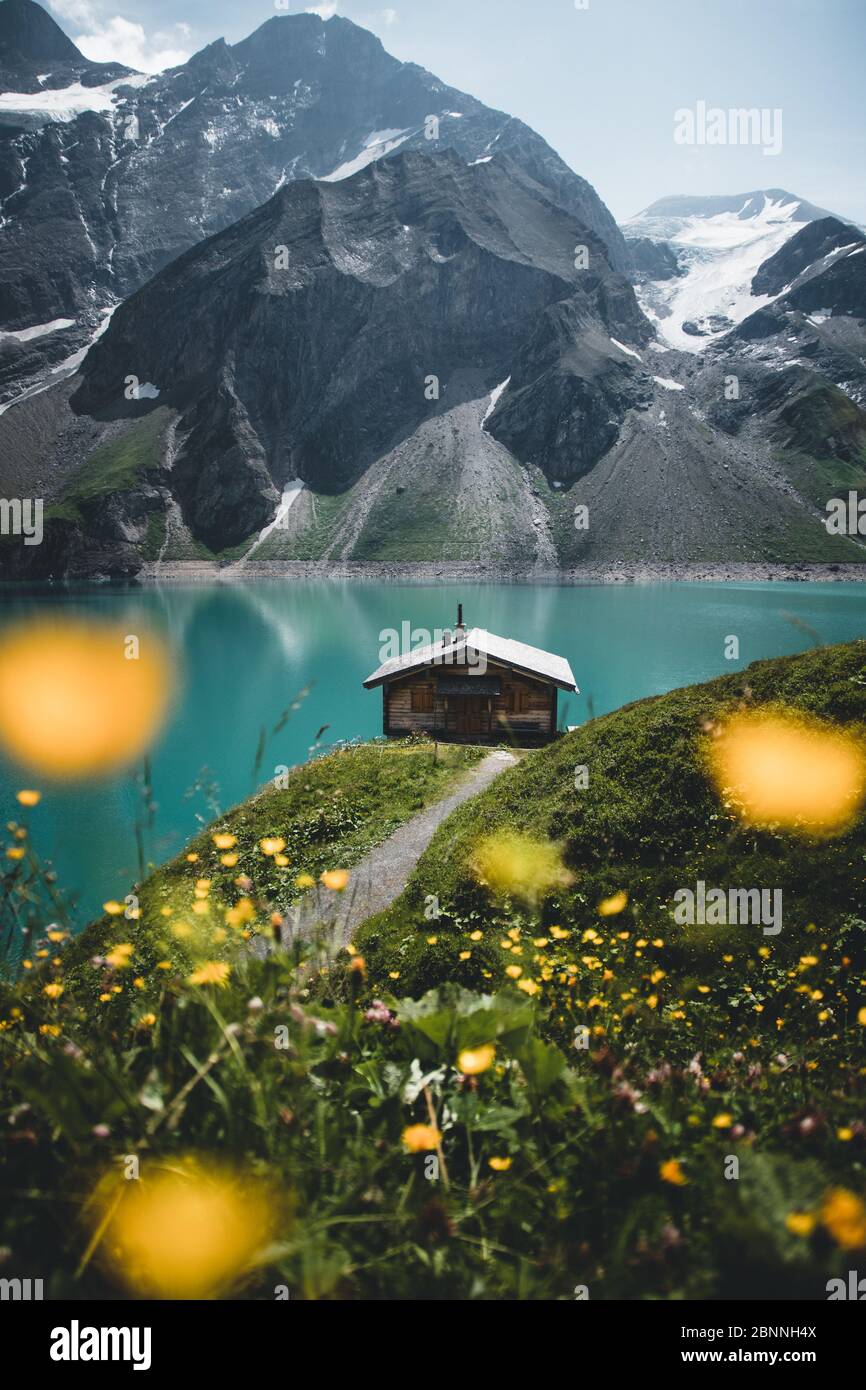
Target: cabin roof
x=532, y=661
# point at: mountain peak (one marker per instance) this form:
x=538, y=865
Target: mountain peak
x=28, y=32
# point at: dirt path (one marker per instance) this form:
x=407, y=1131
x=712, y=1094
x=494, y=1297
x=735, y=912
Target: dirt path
x=380, y=877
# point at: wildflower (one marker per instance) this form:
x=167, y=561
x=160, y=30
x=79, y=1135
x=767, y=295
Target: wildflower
x=223, y=840
x=500, y=1165
x=187, y=1233
x=861, y=1017
x=671, y=1171
x=791, y=770
x=213, y=972
x=147, y=1021
x=845, y=1133
x=380, y=1013
x=305, y=881
x=119, y=956
x=800, y=1223
x=358, y=964
x=517, y=865
x=473, y=1061
x=272, y=844
x=71, y=705
x=528, y=986
x=29, y=798
x=723, y=1121
x=49, y=1030
x=228, y=860
x=335, y=879
x=113, y=907
x=515, y=971
x=53, y=991
x=610, y=907
x=844, y=1216
x=419, y=1138
x=15, y=852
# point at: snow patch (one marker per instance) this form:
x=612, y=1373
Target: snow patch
x=494, y=397
x=375, y=146
x=668, y=383
x=622, y=347
x=38, y=330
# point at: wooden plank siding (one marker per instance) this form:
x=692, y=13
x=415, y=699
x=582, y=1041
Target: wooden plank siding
x=525, y=706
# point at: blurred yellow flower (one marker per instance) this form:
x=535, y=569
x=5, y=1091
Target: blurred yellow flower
x=305, y=881
x=335, y=879
x=500, y=1165
x=188, y=1233
x=473, y=1061
x=844, y=1216
x=53, y=991
x=72, y=703
x=528, y=986
x=271, y=844
x=224, y=840
x=118, y=956
x=29, y=798
x=419, y=1138
x=789, y=769
x=609, y=907
x=723, y=1121
x=671, y=1171
x=517, y=865
x=112, y=907
x=800, y=1223
x=213, y=972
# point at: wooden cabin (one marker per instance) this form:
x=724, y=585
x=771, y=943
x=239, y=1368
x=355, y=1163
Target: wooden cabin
x=474, y=687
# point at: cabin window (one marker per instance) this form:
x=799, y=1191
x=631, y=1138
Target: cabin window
x=516, y=701
x=422, y=699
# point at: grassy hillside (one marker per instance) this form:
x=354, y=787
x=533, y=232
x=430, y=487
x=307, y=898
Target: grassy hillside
x=648, y=822
x=619, y=1107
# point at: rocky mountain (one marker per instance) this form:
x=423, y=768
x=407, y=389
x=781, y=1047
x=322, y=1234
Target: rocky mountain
x=412, y=363
x=93, y=205
x=42, y=73
x=699, y=282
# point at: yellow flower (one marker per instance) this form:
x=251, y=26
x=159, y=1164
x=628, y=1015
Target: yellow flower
x=119, y=956
x=49, y=1030
x=500, y=1165
x=15, y=853
x=72, y=703
x=800, y=1223
x=213, y=972
x=844, y=1134
x=861, y=1017
x=138, y=982
x=789, y=769
x=516, y=865
x=418, y=1138
x=229, y=860
x=281, y=860
x=272, y=844
x=305, y=881
x=671, y=1171
x=112, y=907
x=844, y=1216
x=515, y=971
x=187, y=1233
x=224, y=840
x=147, y=1020
x=464, y=955
x=335, y=879
x=53, y=991
x=473, y=1061
x=723, y=1121
x=29, y=798
x=528, y=986
x=358, y=964
x=609, y=907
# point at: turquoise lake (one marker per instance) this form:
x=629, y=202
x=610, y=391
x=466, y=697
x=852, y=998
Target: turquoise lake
x=245, y=651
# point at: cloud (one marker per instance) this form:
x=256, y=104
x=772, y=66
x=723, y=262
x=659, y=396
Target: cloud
x=118, y=40
x=389, y=17
x=324, y=11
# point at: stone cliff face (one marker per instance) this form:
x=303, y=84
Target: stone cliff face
x=317, y=333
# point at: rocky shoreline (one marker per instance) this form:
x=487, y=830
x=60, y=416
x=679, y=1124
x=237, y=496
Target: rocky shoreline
x=425, y=572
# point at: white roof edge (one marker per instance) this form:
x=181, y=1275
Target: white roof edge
x=533, y=660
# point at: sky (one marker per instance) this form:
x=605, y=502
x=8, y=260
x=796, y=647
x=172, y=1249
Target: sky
x=604, y=81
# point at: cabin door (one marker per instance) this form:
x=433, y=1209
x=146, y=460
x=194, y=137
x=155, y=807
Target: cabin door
x=471, y=714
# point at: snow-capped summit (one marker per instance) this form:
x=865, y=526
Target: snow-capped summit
x=719, y=243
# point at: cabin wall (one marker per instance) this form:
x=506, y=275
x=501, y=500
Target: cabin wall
x=525, y=706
